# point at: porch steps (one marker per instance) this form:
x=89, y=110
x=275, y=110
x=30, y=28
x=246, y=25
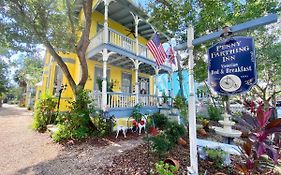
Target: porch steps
x=172, y=116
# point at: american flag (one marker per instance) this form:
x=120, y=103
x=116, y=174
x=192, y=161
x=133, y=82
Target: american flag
x=170, y=55
x=157, y=49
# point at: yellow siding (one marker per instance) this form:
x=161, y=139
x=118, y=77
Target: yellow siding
x=98, y=18
x=75, y=69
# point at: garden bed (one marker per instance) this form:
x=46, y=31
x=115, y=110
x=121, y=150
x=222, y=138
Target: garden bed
x=136, y=162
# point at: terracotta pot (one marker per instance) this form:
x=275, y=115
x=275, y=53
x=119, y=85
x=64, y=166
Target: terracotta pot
x=182, y=142
x=173, y=162
x=202, y=132
x=219, y=173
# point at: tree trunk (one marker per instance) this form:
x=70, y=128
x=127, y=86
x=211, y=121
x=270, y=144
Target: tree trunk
x=63, y=67
x=84, y=42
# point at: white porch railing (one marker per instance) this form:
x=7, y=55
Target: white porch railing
x=96, y=41
x=148, y=100
x=122, y=41
x=120, y=100
x=123, y=100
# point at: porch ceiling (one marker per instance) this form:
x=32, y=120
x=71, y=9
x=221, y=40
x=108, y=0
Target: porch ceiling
x=120, y=10
x=126, y=63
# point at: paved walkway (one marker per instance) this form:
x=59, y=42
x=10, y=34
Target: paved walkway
x=23, y=151
x=20, y=147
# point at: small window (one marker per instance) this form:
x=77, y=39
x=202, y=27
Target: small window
x=126, y=83
x=98, y=75
x=57, y=79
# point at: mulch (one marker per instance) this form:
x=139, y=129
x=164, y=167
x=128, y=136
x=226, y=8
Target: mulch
x=105, y=141
x=138, y=161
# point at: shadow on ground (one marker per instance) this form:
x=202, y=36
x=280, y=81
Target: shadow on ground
x=82, y=158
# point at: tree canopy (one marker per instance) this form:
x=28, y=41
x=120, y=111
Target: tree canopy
x=208, y=16
x=28, y=72
x=3, y=77
x=55, y=24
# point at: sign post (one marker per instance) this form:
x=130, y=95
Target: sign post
x=191, y=42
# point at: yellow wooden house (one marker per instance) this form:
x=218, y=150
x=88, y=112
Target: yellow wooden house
x=118, y=54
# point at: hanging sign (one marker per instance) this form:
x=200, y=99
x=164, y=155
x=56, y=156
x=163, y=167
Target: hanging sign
x=232, y=65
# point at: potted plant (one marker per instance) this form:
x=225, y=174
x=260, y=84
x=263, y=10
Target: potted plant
x=165, y=98
x=166, y=168
x=178, y=104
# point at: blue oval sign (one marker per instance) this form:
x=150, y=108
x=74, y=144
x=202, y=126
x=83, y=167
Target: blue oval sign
x=232, y=65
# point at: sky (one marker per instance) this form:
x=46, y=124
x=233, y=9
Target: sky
x=142, y=2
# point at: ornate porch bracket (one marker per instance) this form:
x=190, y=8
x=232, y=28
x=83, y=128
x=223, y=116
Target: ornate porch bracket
x=105, y=56
x=137, y=20
x=137, y=63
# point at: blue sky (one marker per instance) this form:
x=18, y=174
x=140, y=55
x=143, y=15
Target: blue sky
x=142, y=2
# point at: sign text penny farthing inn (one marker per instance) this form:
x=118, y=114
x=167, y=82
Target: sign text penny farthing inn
x=232, y=65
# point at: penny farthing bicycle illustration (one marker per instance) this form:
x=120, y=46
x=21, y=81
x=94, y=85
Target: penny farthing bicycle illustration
x=230, y=83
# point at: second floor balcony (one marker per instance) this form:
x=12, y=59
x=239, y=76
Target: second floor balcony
x=120, y=41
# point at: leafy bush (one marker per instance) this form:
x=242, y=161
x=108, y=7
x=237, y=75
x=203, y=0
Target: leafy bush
x=165, y=97
x=179, y=102
x=161, y=144
x=174, y=131
x=259, y=143
x=75, y=124
x=136, y=112
x=44, y=112
x=165, y=169
x=160, y=120
x=216, y=155
x=214, y=113
x=102, y=126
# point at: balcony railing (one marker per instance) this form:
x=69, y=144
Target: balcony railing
x=122, y=41
x=124, y=100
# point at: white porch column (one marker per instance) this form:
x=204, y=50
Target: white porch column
x=104, y=82
x=105, y=56
x=156, y=83
x=137, y=81
x=106, y=4
x=136, y=62
x=193, y=169
x=170, y=81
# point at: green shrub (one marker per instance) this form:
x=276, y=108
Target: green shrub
x=103, y=127
x=214, y=113
x=61, y=133
x=165, y=97
x=179, y=102
x=136, y=112
x=75, y=124
x=216, y=155
x=174, y=131
x=160, y=120
x=161, y=144
x=165, y=169
x=44, y=112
